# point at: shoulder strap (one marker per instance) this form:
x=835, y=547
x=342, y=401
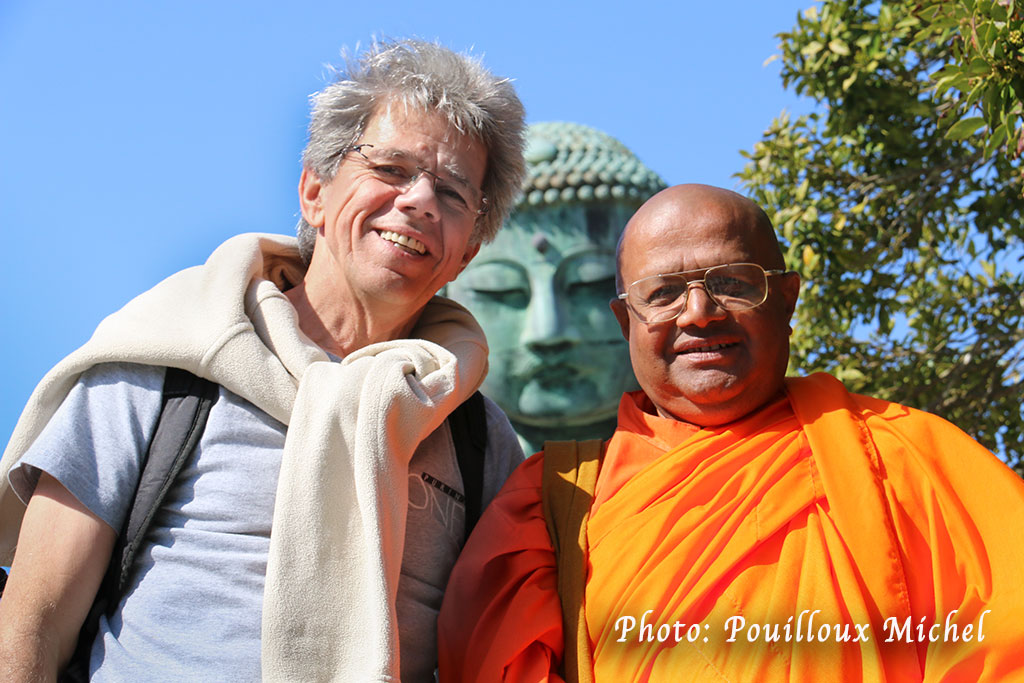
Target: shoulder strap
x=569, y=480
x=185, y=407
x=468, y=424
x=187, y=400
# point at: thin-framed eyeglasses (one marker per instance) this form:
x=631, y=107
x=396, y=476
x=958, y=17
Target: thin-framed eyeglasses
x=399, y=169
x=731, y=286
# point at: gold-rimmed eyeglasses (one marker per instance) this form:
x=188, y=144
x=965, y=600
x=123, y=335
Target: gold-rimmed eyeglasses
x=731, y=286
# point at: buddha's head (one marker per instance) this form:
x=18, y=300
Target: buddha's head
x=541, y=289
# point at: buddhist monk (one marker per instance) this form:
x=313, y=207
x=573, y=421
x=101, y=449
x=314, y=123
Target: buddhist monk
x=740, y=525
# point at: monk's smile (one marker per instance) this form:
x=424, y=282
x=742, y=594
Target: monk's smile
x=710, y=350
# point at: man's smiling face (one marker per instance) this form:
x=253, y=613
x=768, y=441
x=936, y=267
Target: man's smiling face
x=709, y=366
x=387, y=242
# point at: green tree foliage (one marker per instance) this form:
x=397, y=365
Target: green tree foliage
x=899, y=202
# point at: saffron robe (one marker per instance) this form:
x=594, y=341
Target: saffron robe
x=822, y=509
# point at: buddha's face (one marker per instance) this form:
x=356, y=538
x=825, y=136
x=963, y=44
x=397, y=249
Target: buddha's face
x=541, y=293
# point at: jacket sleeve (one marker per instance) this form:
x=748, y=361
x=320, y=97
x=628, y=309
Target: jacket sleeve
x=501, y=619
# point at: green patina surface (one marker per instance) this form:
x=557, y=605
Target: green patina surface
x=558, y=362
x=569, y=162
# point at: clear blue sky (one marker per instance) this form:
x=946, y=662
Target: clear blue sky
x=136, y=136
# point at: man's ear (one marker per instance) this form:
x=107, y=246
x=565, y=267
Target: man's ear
x=618, y=307
x=471, y=251
x=310, y=199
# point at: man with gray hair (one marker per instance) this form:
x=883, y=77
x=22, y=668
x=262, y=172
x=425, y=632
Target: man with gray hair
x=315, y=518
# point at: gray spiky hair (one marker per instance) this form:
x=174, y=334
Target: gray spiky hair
x=424, y=77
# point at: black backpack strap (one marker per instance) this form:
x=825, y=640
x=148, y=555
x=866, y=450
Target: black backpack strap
x=186, y=404
x=468, y=425
x=187, y=400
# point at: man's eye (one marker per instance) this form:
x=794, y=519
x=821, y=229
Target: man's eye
x=392, y=172
x=450, y=193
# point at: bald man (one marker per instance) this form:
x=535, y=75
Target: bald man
x=740, y=525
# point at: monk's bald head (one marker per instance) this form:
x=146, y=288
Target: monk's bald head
x=703, y=210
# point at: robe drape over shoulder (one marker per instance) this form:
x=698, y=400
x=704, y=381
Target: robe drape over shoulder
x=828, y=536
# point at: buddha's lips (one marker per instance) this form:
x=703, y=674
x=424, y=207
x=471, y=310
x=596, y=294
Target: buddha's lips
x=547, y=374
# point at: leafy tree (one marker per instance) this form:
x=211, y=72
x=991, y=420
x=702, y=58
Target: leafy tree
x=899, y=202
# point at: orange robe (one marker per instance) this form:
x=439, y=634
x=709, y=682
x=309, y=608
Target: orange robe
x=789, y=545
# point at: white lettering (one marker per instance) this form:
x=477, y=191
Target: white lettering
x=737, y=624
x=920, y=630
x=810, y=626
x=627, y=624
x=420, y=501
x=949, y=626
x=981, y=622
x=892, y=626
x=799, y=619
x=645, y=628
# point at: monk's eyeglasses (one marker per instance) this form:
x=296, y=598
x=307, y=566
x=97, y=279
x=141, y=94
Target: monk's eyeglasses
x=732, y=287
x=399, y=169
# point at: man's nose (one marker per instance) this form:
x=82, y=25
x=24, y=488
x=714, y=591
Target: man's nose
x=699, y=309
x=547, y=325
x=419, y=198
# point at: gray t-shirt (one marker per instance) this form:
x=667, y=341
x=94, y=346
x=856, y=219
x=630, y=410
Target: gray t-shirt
x=193, y=610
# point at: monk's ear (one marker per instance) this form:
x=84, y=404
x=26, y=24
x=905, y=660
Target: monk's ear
x=618, y=307
x=790, y=287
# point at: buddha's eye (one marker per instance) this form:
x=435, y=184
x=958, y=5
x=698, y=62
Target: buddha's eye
x=590, y=275
x=498, y=282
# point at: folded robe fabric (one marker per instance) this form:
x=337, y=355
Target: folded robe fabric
x=339, y=518
x=824, y=510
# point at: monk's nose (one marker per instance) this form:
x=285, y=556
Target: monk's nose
x=700, y=309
